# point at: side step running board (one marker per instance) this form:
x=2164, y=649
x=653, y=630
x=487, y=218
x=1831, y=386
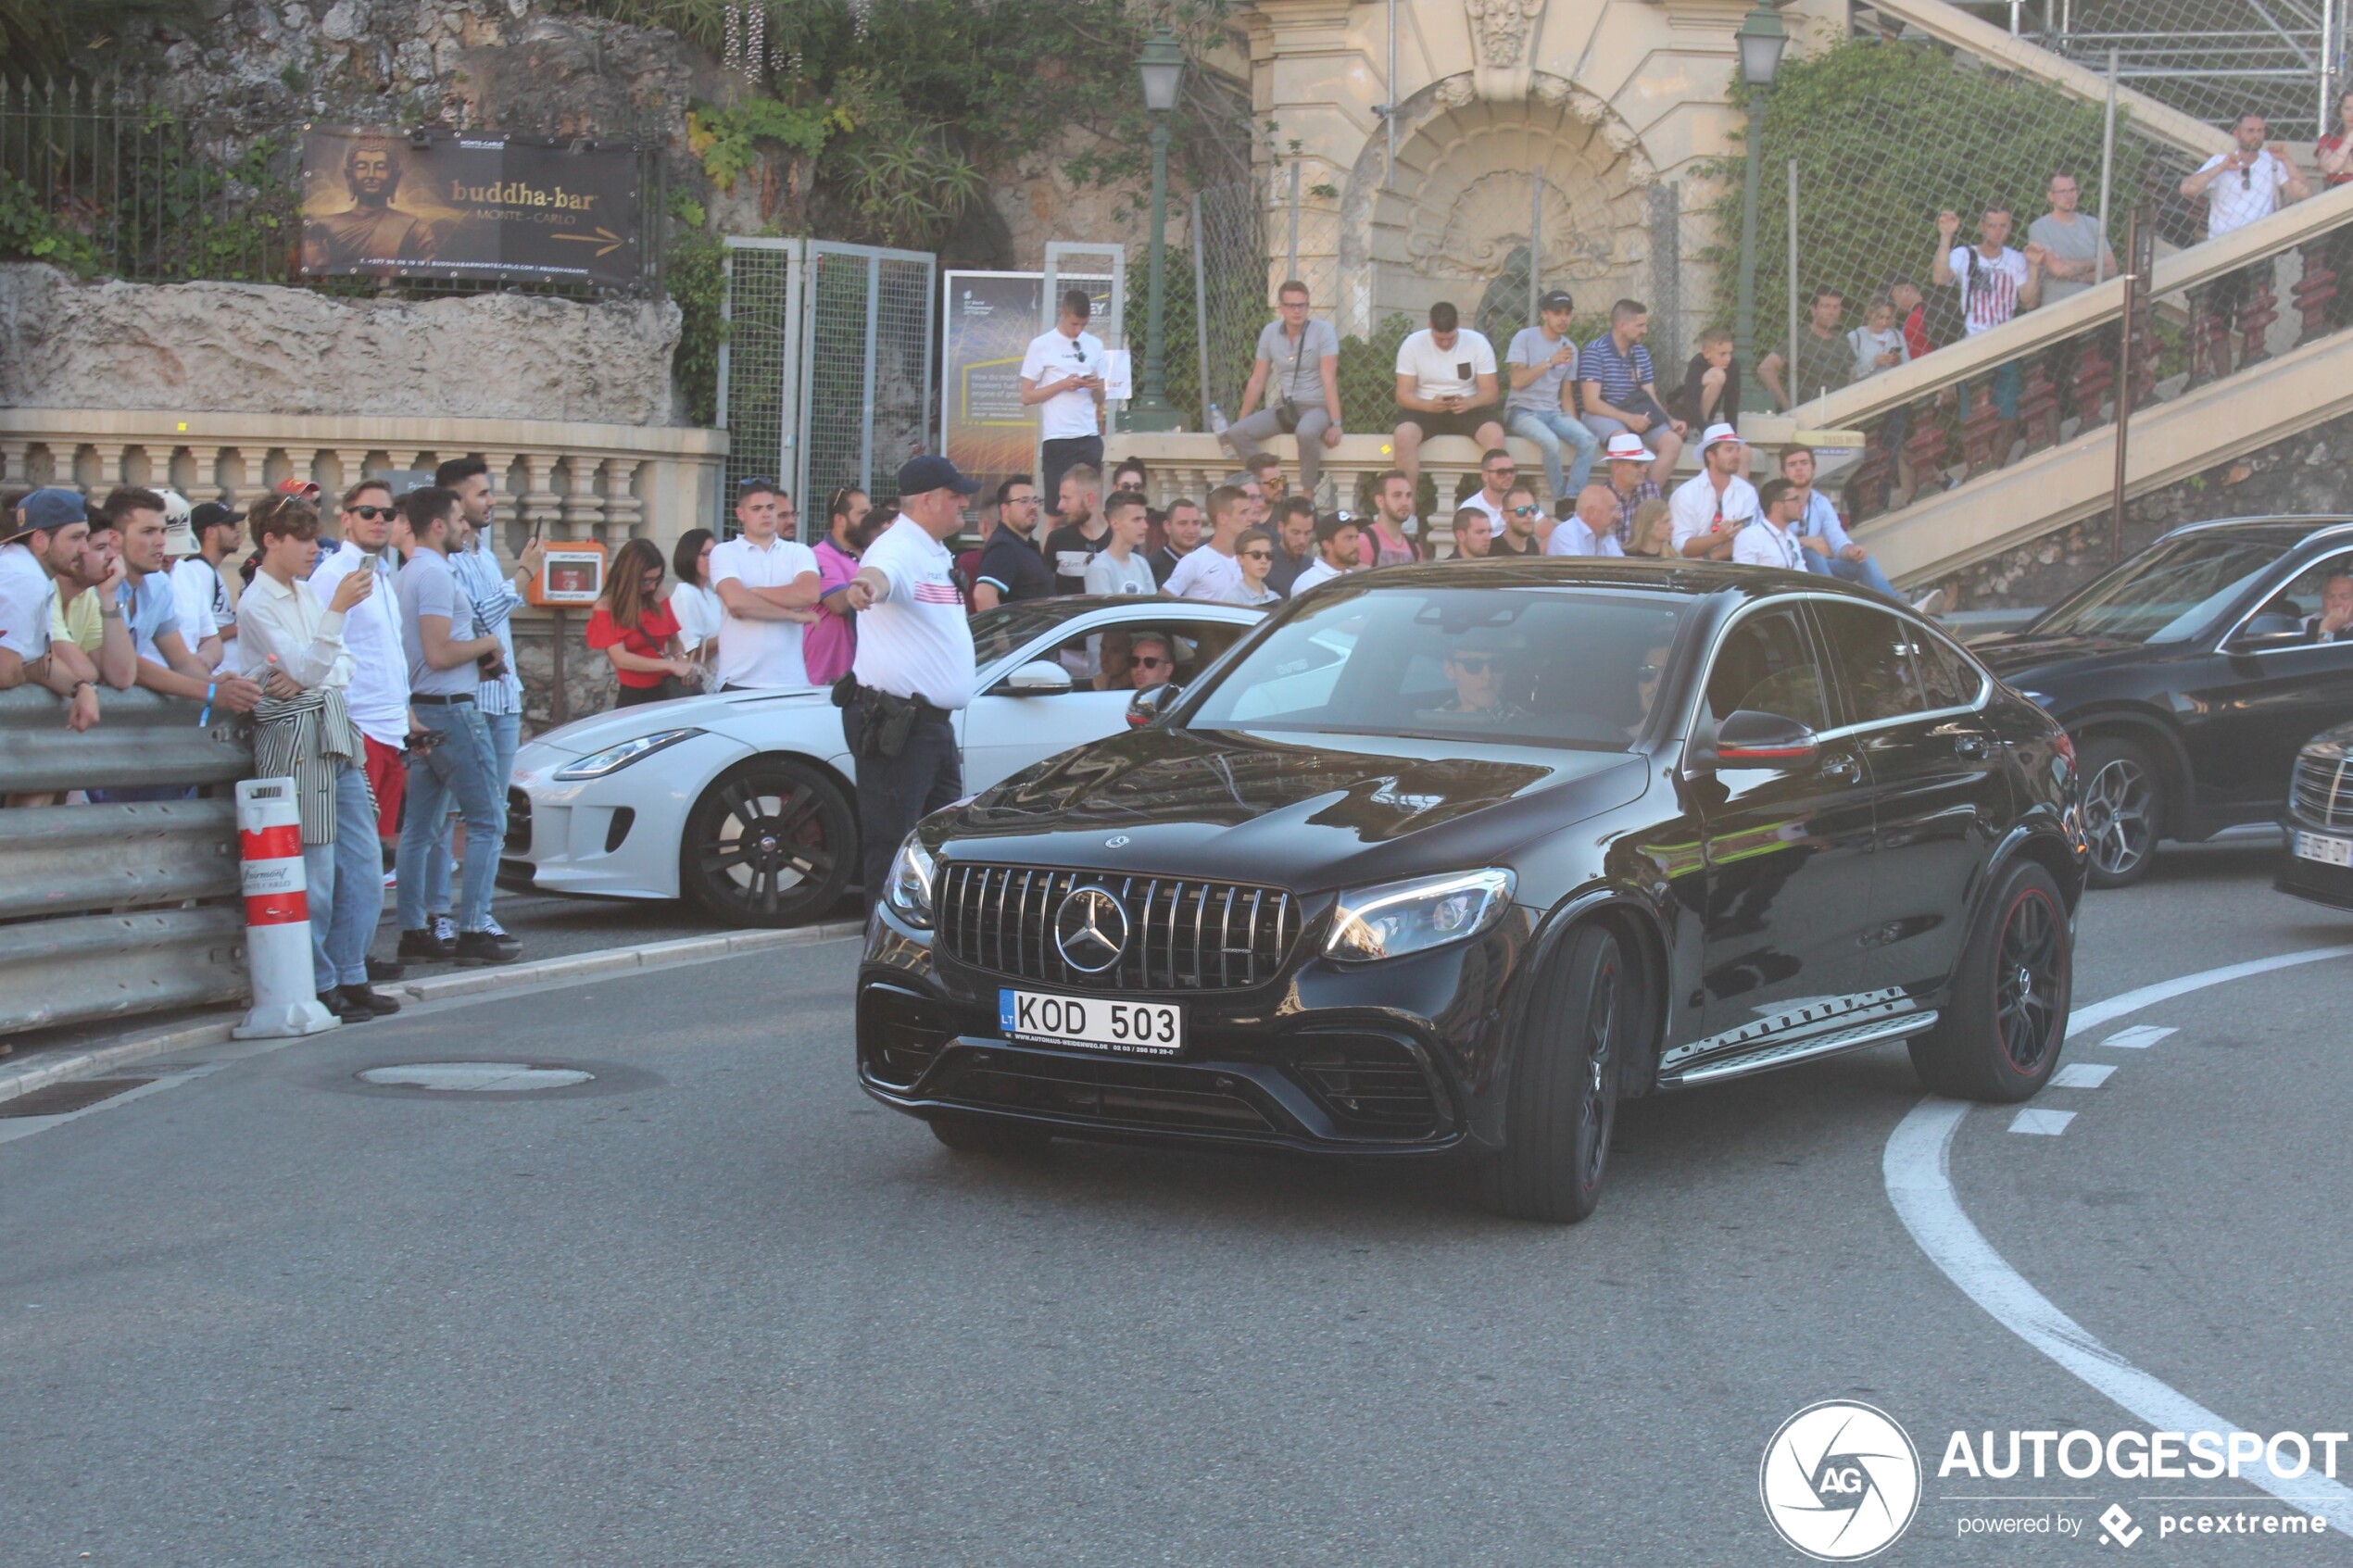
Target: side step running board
x=1781, y=1053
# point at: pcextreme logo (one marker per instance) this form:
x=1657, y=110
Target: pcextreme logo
x=1839, y=1481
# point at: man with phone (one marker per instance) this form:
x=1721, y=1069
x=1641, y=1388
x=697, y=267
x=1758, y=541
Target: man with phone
x=444, y=685
x=496, y=595
x=1445, y=386
x=378, y=695
x=2243, y=186
x=1061, y=376
x=1541, y=363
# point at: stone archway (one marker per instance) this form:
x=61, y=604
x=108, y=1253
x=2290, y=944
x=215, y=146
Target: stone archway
x=1461, y=212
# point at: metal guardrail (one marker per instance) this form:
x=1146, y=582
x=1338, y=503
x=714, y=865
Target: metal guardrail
x=112, y=910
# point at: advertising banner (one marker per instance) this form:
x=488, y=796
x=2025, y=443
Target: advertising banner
x=381, y=203
x=991, y=319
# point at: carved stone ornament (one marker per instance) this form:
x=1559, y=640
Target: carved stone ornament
x=1501, y=31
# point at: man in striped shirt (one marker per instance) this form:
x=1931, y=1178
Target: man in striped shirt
x=1996, y=283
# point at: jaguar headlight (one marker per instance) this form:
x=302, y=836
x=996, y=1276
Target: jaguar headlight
x=613, y=758
x=907, y=888
x=1397, y=918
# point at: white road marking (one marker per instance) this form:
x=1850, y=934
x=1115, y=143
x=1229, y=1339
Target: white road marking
x=2139, y=1037
x=1916, y=1169
x=2049, y=1124
x=2081, y=1075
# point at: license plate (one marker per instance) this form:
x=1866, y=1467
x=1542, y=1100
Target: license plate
x=1098, y=1024
x=2327, y=850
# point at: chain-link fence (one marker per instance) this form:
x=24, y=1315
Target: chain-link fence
x=2214, y=59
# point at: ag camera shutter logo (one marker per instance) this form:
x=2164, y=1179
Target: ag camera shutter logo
x=1839, y=1481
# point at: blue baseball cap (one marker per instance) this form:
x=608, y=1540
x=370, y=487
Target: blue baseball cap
x=52, y=507
x=917, y=475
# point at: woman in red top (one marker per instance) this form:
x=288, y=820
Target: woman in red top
x=636, y=628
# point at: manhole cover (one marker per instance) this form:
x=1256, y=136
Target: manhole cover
x=476, y=1076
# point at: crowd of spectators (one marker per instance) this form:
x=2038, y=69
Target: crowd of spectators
x=377, y=665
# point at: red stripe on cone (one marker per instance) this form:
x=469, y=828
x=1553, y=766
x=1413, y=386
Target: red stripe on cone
x=277, y=908
x=271, y=844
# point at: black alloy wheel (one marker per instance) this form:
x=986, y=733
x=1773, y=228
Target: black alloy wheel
x=2124, y=810
x=1562, y=1102
x=2005, y=1017
x=771, y=843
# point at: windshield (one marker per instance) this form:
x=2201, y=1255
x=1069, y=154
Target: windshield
x=1529, y=666
x=2168, y=594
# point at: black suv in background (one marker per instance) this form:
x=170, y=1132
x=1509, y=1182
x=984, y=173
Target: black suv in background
x=2189, y=677
x=1450, y=859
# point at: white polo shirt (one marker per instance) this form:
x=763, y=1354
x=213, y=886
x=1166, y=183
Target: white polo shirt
x=1695, y=507
x=915, y=641
x=766, y=654
x=378, y=695
x=1050, y=358
x=1761, y=544
x=28, y=598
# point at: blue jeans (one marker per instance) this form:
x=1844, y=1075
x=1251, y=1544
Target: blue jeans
x=1865, y=571
x=461, y=768
x=1549, y=429
x=344, y=884
x=506, y=733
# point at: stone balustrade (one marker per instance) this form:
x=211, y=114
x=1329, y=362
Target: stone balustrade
x=563, y=481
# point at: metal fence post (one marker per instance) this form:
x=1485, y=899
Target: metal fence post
x=1201, y=313
x=1535, y=243
x=1789, y=371
x=2108, y=172
x=1291, y=266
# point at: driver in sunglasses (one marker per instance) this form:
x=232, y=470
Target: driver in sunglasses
x=1150, y=661
x=1474, y=665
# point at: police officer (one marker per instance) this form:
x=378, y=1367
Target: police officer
x=914, y=666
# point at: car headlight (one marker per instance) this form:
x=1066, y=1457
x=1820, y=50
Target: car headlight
x=615, y=757
x=907, y=888
x=1397, y=918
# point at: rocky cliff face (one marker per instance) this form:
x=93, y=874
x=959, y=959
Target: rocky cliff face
x=254, y=348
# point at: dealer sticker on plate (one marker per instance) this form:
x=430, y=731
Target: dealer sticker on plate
x=1095, y=1022
x=2328, y=850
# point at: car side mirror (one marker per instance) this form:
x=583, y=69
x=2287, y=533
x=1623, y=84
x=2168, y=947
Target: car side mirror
x=1038, y=678
x=1751, y=739
x=2267, y=630
x=1146, y=706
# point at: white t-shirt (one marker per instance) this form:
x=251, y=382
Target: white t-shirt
x=1571, y=537
x=766, y=654
x=198, y=599
x=1494, y=509
x=1988, y=293
x=28, y=598
x=1107, y=574
x=1446, y=372
x=699, y=612
x=1315, y=571
x=2240, y=197
x=1050, y=358
x=915, y=641
x=1694, y=507
x=378, y=695
x=1206, y=573
x=1761, y=544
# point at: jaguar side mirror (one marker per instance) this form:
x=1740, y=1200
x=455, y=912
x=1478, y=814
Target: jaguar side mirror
x=1751, y=739
x=1038, y=678
x=1146, y=706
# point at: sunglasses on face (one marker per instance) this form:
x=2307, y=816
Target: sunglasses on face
x=1523, y=511
x=1145, y=662
x=373, y=514
x=1647, y=672
x=1501, y=469
x=1473, y=663
x=1257, y=555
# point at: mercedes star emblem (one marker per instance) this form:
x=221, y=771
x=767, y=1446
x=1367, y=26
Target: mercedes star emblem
x=1090, y=929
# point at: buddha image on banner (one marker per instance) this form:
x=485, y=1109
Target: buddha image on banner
x=386, y=204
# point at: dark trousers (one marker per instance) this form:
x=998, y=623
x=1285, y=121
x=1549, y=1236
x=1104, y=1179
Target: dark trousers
x=895, y=792
x=1058, y=458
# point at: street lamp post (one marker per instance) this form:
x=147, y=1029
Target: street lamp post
x=1162, y=66
x=1761, y=38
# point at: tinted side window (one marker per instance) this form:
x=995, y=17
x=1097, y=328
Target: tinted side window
x=1952, y=680
x=2295, y=608
x=1874, y=655
x=1768, y=663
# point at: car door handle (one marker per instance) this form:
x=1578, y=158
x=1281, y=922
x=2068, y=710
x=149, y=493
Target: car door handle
x=1839, y=766
x=1973, y=748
